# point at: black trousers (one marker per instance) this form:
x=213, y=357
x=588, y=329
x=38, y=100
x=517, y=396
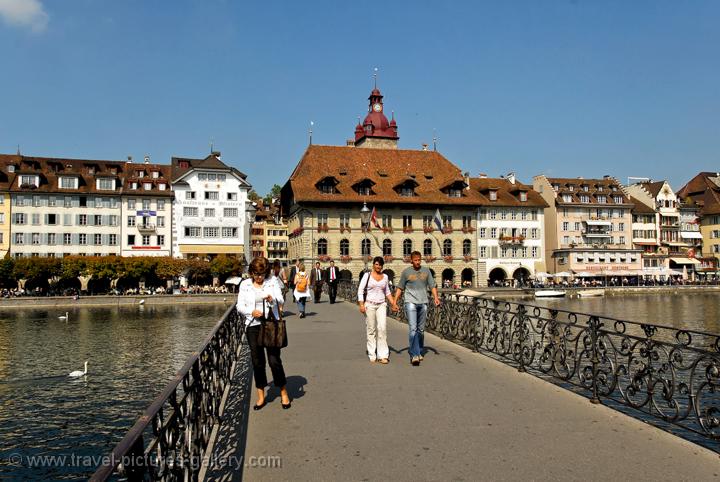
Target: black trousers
x=332, y=291
x=257, y=354
x=318, y=291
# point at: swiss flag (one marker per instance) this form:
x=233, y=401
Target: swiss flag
x=374, y=218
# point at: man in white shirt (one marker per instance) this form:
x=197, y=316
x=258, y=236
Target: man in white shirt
x=332, y=280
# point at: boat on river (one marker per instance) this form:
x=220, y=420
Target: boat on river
x=591, y=293
x=549, y=294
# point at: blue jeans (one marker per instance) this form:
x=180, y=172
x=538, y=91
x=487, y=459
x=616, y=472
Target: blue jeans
x=416, y=316
x=301, y=304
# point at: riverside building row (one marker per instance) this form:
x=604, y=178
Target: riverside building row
x=58, y=207
x=368, y=198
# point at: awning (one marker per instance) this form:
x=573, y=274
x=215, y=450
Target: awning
x=234, y=280
x=673, y=243
x=684, y=261
x=597, y=222
x=645, y=243
x=690, y=235
x=670, y=215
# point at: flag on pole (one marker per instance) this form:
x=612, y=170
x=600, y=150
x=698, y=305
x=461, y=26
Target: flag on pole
x=438, y=220
x=374, y=218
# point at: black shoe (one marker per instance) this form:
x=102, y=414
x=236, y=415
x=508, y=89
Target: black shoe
x=259, y=407
x=286, y=406
x=415, y=361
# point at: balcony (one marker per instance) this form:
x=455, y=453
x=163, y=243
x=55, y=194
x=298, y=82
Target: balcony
x=510, y=240
x=596, y=233
x=146, y=228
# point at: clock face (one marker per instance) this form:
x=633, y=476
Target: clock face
x=377, y=107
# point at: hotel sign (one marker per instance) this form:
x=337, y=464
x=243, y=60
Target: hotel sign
x=146, y=213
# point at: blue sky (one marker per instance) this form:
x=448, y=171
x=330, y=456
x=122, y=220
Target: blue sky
x=572, y=88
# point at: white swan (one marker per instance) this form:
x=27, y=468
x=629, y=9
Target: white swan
x=78, y=373
x=141, y=302
x=66, y=317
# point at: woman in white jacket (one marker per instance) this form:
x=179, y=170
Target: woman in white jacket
x=256, y=296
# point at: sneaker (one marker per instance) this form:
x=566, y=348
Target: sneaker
x=415, y=361
x=420, y=357
x=384, y=361
x=372, y=360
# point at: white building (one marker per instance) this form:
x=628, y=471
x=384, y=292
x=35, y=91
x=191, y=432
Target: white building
x=63, y=207
x=146, y=210
x=211, y=210
x=510, y=230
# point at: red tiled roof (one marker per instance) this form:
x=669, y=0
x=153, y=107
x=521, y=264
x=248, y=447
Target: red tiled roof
x=640, y=207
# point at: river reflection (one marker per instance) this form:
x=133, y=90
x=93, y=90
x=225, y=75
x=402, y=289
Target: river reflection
x=132, y=353
x=690, y=310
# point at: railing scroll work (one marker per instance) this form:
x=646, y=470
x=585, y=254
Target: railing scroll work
x=170, y=439
x=671, y=375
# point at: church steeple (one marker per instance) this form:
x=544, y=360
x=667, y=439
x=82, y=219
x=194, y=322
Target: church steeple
x=375, y=130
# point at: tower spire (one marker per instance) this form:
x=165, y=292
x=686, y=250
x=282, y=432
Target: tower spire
x=310, y=131
x=375, y=76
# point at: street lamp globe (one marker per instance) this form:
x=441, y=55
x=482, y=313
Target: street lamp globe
x=365, y=215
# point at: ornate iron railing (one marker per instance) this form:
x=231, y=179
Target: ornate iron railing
x=671, y=375
x=170, y=439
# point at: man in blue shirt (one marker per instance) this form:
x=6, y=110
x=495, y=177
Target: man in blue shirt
x=415, y=281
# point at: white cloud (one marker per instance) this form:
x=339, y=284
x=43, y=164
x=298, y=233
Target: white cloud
x=24, y=13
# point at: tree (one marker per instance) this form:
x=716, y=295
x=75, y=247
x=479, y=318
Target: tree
x=104, y=267
x=253, y=196
x=169, y=268
x=197, y=268
x=273, y=194
x=224, y=266
x=72, y=266
x=7, y=279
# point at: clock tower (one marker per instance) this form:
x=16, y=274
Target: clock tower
x=375, y=131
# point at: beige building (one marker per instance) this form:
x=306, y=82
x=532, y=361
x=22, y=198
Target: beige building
x=703, y=193
x=4, y=215
x=407, y=189
x=588, y=226
x=269, y=233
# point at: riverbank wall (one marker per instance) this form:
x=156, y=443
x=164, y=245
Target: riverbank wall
x=89, y=301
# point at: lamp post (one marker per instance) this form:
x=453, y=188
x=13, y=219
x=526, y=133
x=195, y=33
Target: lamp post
x=365, y=220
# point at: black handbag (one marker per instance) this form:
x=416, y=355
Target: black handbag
x=273, y=333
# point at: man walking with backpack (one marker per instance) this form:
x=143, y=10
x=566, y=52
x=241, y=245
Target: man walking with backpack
x=415, y=281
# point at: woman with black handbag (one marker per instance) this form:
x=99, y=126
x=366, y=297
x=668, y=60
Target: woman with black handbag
x=258, y=298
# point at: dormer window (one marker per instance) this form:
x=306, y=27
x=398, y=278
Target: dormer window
x=453, y=192
x=105, y=184
x=139, y=173
x=601, y=199
x=585, y=187
x=571, y=187
x=364, y=187
x=614, y=188
x=406, y=188
x=11, y=168
x=156, y=174
x=618, y=199
x=29, y=180
x=600, y=188
x=67, y=182
x=523, y=196
x=556, y=187
x=162, y=186
x=493, y=194
x=183, y=164
x=567, y=198
x=147, y=186
x=327, y=185
x=91, y=170
x=584, y=198
x=113, y=171
x=133, y=185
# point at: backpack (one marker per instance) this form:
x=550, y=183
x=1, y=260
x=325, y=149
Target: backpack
x=302, y=283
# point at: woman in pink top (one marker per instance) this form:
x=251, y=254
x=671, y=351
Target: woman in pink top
x=373, y=290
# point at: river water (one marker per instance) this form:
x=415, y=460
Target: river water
x=132, y=351
x=690, y=310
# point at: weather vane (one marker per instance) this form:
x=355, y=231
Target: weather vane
x=310, y=131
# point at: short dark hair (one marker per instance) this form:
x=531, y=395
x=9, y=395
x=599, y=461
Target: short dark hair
x=379, y=259
x=415, y=253
x=260, y=265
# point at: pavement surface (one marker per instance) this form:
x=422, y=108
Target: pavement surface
x=458, y=416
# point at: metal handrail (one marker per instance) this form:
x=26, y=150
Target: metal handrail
x=183, y=415
x=665, y=375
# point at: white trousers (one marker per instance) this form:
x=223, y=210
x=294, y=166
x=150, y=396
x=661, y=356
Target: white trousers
x=376, y=321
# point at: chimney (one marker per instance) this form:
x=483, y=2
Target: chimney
x=482, y=175
x=129, y=160
x=424, y=146
x=217, y=154
x=350, y=143
x=511, y=177
x=606, y=176
x=147, y=159
x=467, y=181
